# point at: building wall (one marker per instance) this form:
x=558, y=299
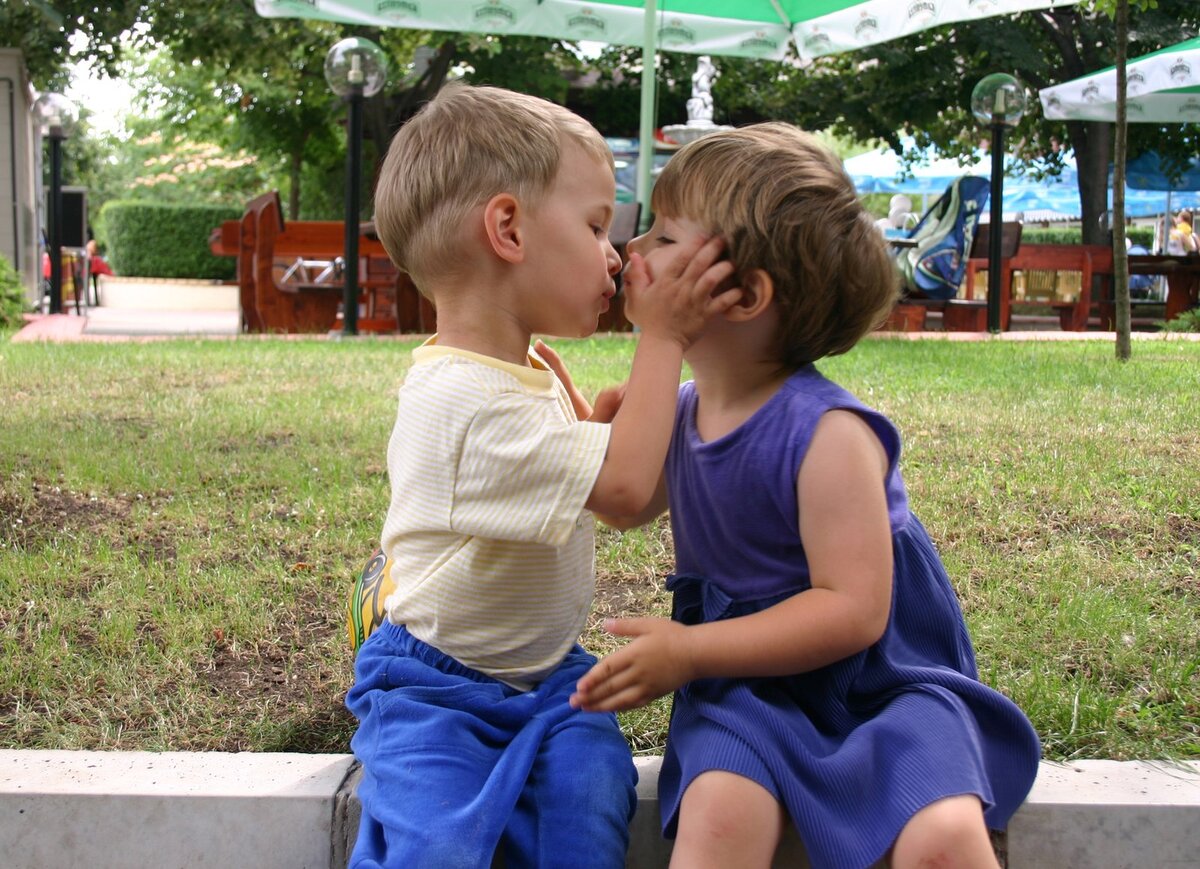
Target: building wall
x=18, y=179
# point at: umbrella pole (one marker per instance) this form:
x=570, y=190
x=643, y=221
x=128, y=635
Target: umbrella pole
x=646, y=129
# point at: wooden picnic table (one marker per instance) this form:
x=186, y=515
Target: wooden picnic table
x=1092, y=261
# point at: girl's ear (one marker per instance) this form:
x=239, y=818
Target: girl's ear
x=502, y=225
x=758, y=291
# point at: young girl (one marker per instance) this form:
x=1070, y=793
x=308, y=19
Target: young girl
x=821, y=666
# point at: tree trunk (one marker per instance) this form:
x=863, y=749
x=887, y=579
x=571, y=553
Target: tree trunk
x=1092, y=141
x=296, y=164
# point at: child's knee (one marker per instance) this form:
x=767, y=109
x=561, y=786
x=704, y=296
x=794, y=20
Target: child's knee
x=951, y=830
x=724, y=811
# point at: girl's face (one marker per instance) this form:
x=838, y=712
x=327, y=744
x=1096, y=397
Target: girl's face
x=665, y=232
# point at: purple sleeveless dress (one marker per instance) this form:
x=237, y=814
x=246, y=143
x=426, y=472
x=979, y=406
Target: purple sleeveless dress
x=855, y=749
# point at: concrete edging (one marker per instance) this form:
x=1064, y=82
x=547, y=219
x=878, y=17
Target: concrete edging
x=123, y=809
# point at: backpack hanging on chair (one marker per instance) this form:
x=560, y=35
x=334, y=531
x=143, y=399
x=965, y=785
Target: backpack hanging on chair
x=934, y=268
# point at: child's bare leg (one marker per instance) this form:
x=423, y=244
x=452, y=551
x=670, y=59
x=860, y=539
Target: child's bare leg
x=726, y=820
x=949, y=833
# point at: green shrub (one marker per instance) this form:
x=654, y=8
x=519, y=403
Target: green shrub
x=12, y=296
x=1051, y=235
x=1188, y=321
x=1143, y=235
x=160, y=240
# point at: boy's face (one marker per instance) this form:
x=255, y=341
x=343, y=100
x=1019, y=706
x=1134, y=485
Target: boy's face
x=571, y=263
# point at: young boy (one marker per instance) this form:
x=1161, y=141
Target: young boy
x=498, y=206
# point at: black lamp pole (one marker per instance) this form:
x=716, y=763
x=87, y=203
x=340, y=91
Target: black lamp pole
x=56, y=207
x=995, y=237
x=353, y=176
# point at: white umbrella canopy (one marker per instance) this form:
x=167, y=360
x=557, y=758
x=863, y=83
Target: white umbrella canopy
x=1161, y=87
x=766, y=29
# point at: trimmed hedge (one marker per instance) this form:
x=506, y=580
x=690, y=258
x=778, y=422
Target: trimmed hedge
x=1143, y=235
x=160, y=240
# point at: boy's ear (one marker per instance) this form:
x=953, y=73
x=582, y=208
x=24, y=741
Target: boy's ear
x=502, y=224
x=758, y=291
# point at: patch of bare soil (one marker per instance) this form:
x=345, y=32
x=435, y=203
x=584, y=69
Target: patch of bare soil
x=292, y=671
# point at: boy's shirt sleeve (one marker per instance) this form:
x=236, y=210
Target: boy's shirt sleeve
x=525, y=471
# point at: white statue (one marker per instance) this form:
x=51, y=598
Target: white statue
x=700, y=106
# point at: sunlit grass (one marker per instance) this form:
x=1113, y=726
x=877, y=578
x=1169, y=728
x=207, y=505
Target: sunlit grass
x=180, y=521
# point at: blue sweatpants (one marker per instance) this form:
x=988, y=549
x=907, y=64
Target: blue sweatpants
x=457, y=765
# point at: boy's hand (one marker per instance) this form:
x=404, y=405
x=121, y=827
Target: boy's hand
x=655, y=663
x=583, y=410
x=682, y=293
x=608, y=400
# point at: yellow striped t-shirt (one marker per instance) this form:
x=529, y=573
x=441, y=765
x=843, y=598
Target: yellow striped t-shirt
x=492, y=550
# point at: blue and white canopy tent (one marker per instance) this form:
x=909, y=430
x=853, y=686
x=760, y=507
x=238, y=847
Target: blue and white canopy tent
x=1148, y=190
x=768, y=29
x=883, y=171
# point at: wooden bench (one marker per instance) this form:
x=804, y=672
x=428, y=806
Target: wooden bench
x=1091, y=262
x=272, y=300
x=1080, y=258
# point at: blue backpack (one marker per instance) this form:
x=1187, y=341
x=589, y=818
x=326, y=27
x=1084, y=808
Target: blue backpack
x=935, y=267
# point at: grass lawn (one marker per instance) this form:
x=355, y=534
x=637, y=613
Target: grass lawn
x=180, y=523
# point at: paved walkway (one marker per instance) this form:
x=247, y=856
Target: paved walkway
x=128, y=324
x=127, y=320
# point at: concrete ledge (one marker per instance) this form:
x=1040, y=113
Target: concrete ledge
x=167, y=294
x=115, y=810
x=122, y=809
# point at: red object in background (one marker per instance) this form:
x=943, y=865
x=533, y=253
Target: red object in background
x=100, y=267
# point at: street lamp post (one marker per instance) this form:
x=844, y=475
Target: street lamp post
x=355, y=68
x=999, y=101
x=55, y=115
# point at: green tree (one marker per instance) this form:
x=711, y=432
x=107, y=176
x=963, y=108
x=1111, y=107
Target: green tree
x=44, y=32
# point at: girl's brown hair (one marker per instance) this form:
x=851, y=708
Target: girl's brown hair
x=784, y=204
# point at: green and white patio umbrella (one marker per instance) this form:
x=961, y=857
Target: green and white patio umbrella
x=1161, y=87
x=745, y=28
x=764, y=29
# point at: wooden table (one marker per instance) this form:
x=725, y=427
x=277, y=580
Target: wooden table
x=1183, y=281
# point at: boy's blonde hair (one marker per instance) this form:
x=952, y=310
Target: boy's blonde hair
x=462, y=148
x=784, y=204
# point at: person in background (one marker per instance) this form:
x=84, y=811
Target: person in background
x=1182, y=240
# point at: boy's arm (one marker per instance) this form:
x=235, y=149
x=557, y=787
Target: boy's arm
x=608, y=402
x=671, y=309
